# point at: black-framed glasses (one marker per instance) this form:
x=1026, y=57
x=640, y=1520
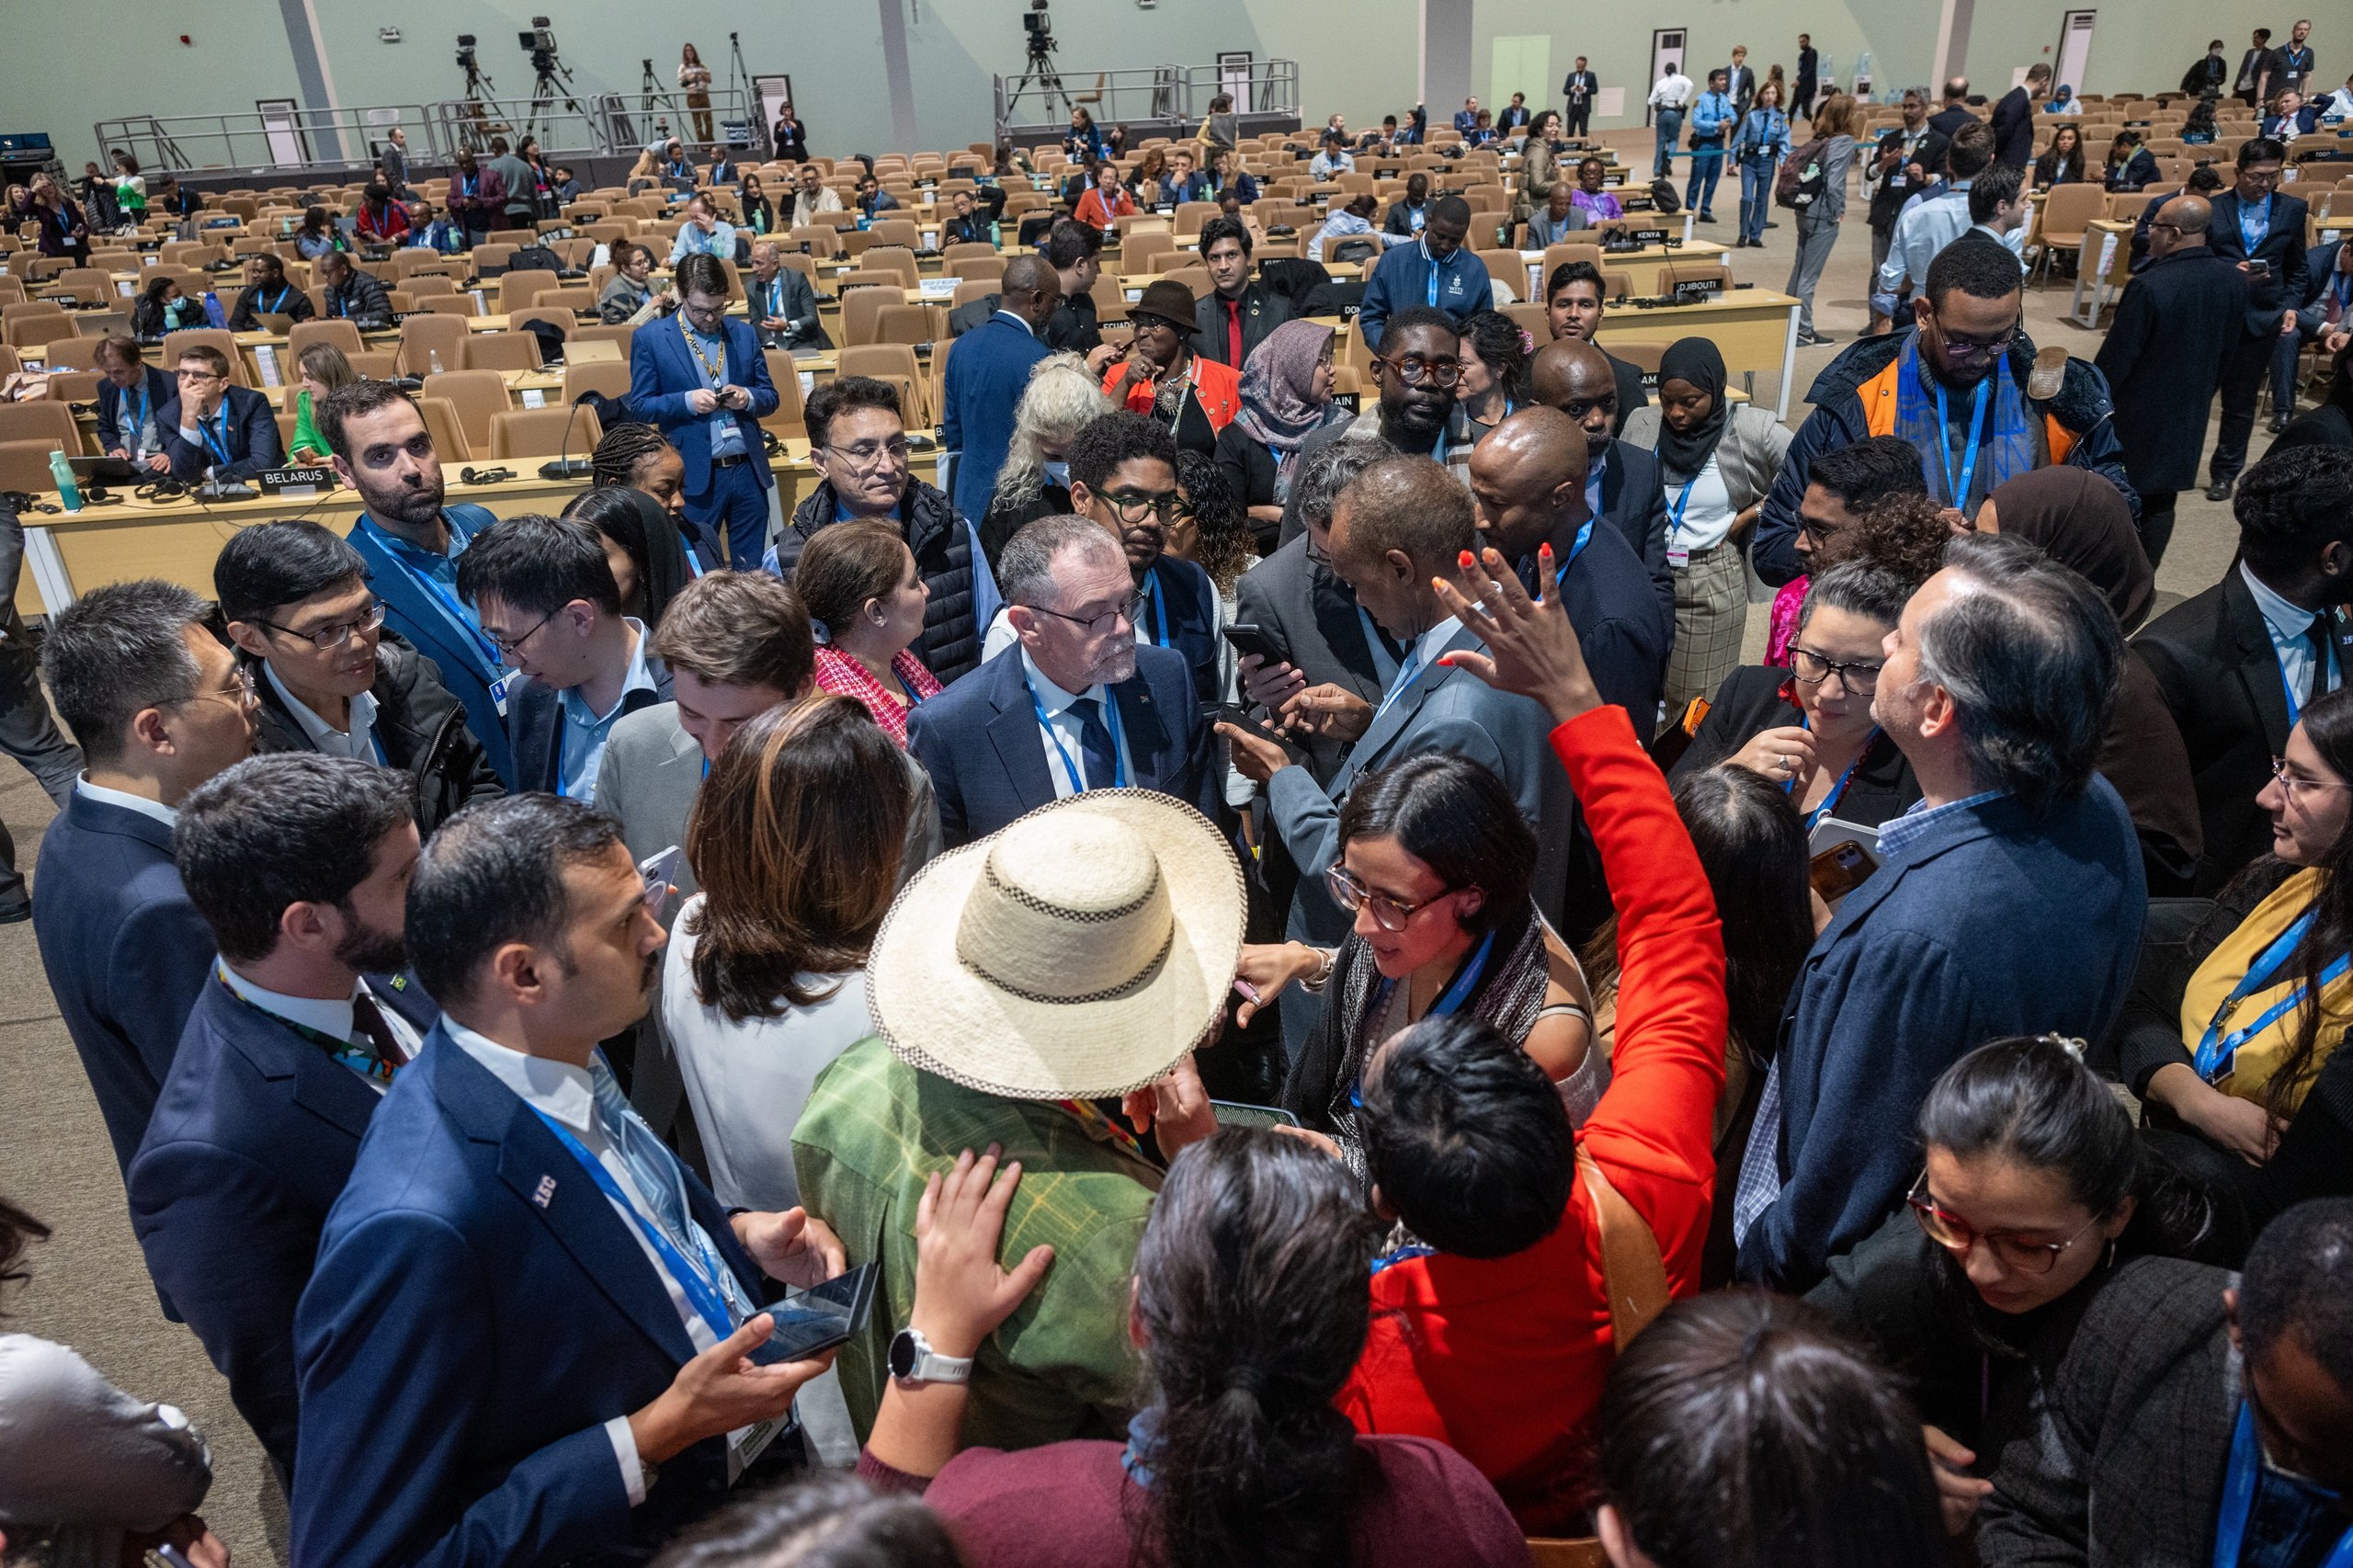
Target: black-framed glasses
x=1813, y=669
x=335, y=634
x=1819, y=532
x=1389, y=914
x=2015, y=1254
x=1134, y=506
x=1960, y=345
x=1126, y=610
x=1412, y=370
x=509, y=646
x=1580, y=408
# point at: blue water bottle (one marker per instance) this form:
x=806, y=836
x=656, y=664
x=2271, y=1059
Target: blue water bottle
x=212, y=310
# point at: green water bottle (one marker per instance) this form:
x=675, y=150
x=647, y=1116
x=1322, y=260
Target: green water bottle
x=69, y=493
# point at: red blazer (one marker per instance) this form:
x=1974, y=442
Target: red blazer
x=1504, y=1358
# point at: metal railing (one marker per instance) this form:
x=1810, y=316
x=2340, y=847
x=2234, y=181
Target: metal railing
x=305, y=141
x=1039, y=102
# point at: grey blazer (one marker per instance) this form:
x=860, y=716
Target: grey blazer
x=1311, y=615
x=1748, y=456
x=80, y=1457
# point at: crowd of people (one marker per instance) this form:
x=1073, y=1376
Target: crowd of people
x=1251, y=981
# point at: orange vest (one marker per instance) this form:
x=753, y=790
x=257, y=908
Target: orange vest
x=1879, y=411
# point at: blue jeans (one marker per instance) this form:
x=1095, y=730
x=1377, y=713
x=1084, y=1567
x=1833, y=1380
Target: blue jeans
x=1699, y=191
x=737, y=504
x=1757, y=172
x=1670, y=131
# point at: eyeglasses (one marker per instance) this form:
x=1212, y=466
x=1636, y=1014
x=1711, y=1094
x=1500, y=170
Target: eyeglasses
x=1579, y=408
x=867, y=454
x=2289, y=783
x=509, y=646
x=1389, y=914
x=1813, y=669
x=242, y=694
x=335, y=634
x=1414, y=369
x=200, y=375
x=1956, y=1235
x=1959, y=346
x=1126, y=610
x=1819, y=532
x=1135, y=506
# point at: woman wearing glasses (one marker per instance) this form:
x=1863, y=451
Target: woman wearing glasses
x=1808, y=729
x=1436, y=864
x=1162, y=377
x=2232, y=1040
x=2034, y=1190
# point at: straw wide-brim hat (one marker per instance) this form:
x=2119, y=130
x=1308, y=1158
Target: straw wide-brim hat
x=1076, y=954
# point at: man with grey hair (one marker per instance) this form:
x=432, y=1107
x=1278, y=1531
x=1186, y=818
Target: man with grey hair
x=782, y=304
x=160, y=705
x=2010, y=900
x=1077, y=705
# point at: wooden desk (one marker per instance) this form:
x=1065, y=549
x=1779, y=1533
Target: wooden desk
x=2102, y=270
x=1649, y=270
x=1756, y=330
x=68, y=554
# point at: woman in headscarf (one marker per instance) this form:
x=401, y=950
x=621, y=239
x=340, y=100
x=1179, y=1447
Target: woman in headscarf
x=1286, y=397
x=2080, y=520
x=1717, y=462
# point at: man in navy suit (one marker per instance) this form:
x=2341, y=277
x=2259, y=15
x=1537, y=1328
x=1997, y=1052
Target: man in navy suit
x=129, y=398
x=1123, y=475
x=299, y=864
x=412, y=542
x=2009, y=901
x=160, y=705
x=2260, y=229
x=699, y=375
x=546, y=598
x=1077, y=705
x=1623, y=485
x=988, y=374
x=213, y=430
x=528, y=1336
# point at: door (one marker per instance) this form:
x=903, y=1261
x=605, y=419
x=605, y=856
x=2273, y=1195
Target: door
x=1667, y=49
x=2074, y=51
x=772, y=94
x=1234, y=76
x=283, y=132
x=1521, y=65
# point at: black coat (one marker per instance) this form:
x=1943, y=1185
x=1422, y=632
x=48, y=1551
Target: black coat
x=2283, y=247
x=1262, y=312
x=2179, y=319
x=950, y=643
x=2013, y=125
x=252, y=300
x=420, y=725
x=2214, y=664
x=1633, y=500
x=1750, y=702
x=1890, y=195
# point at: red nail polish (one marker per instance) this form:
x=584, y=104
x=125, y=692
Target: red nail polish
x=1468, y=559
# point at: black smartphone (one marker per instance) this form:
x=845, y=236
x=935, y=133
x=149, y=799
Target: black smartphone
x=820, y=1317
x=1241, y=718
x=1249, y=639
x=2258, y=269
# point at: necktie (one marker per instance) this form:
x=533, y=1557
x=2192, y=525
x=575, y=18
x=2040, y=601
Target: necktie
x=368, y=1022
x=2318, y=636
x=654, y=1171
x=1234, y=333
x=1098, y=756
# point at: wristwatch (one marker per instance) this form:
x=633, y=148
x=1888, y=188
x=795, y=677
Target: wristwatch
x=913, y=1361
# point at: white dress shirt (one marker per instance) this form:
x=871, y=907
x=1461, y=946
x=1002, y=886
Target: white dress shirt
x=332, y=1019
x=1673, y=91
x=358, y=742
x=2290, y=627
x=561, y=1092
x=1063, y=725
x=128, y=802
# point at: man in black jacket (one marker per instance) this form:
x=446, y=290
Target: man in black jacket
x=1237, y=313
x=1907, y=160
x=352, y=295
x=269, y=292
x=330, y=679
x=1573, y=307
x=1409, y=212
x=1809, y=78
x=2179, y=320
x=2239, y=662
x=2205, y=77
x=2260, y=228
x=2254, y=66
x=2012, y=120
x=1956, y=115
x=1622, y=482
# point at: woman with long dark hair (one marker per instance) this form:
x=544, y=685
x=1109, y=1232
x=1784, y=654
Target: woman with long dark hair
x=2062, y=162
x=317, y=236
x=1739, y=1431
x=1250, y=1307
x=2033, y=1189
x=1436, y=866
x=2234, y=1046
x=1495, y=352
x=641, y=546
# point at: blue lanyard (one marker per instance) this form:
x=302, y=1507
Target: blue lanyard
x=700, y=1289
x=2253, y=234
x=1789, y=786
x=2295, y=702
x=1433, y=261
x=2216, y=1051
x=448, y=601
x=218, y=444
x=1152, y=591
x=279, y=308
x=1458, y=990
x=1576, y=548
x=1675, y=513
x=2342, y=287
x=1957, y=491
x=1070, y=765
x=2238, y=1500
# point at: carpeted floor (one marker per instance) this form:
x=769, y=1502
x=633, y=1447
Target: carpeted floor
x=89, y=1288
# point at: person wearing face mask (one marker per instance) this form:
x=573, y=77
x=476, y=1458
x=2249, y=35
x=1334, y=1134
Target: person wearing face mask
x=1035, y=480
x=1965, y=386
x=2034, y=1195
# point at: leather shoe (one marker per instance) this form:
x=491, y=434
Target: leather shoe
x=2220, y=489
x=2279, y=423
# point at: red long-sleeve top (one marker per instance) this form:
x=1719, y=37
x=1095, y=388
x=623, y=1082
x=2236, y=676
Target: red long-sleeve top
x=1504, y=1358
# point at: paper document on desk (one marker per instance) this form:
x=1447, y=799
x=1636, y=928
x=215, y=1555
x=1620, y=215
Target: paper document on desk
x=939, y=287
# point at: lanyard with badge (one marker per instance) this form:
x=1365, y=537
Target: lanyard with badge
x=715, y=374
x=218, y=443
x=2217, y=1050
x=1677, y=557
x=1957, y=490
x=1451, y=1000
x=1070, y=765
x=488, y=649
x=2238, y=1500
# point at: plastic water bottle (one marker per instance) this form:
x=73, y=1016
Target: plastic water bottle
x=212, y=310
x=433, y=359
x=69, y=495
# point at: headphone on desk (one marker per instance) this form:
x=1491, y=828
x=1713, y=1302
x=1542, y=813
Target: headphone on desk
x=484, y=475
x=163, y=489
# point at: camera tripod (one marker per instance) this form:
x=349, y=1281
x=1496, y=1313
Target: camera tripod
x=1038, y=74
x=547, y=91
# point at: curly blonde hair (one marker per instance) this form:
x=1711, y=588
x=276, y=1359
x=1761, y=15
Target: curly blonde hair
x=1063, y=396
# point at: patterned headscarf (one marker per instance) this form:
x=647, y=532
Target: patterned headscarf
x=1276, y=379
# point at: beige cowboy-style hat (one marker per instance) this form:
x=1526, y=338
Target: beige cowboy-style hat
x=1076, y=954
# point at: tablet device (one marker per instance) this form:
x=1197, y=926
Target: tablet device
x=820, y=1317
x=1231, y=1113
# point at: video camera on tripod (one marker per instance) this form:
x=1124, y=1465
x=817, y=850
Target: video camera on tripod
x=1040, y=24
x=538, y=42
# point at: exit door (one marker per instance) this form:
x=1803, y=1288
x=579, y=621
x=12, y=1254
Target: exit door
x=1667, y=49
x=2074, y=51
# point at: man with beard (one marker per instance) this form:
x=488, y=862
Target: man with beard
x=1966, y=389
x=411, y=543
x=1417, y=369
x=530, y=1336
x=1081, y=704
x=1622, y=482
x=299, y=864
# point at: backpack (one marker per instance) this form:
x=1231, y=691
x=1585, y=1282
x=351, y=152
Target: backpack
x=1802, y=180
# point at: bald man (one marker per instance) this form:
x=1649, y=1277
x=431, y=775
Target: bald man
x=1528, y=481
x=988, y=374
x=2180, y=317
x=1622, y=484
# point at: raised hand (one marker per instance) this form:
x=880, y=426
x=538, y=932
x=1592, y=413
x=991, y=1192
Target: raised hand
x=1532, y=648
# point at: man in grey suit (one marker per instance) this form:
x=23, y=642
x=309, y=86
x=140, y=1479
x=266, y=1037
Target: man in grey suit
x=1405, y=521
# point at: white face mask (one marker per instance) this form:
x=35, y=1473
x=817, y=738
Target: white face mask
x=1057, y=473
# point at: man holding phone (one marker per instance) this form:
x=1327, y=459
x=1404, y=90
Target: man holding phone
x=506, y=1189
x=2260, y=228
